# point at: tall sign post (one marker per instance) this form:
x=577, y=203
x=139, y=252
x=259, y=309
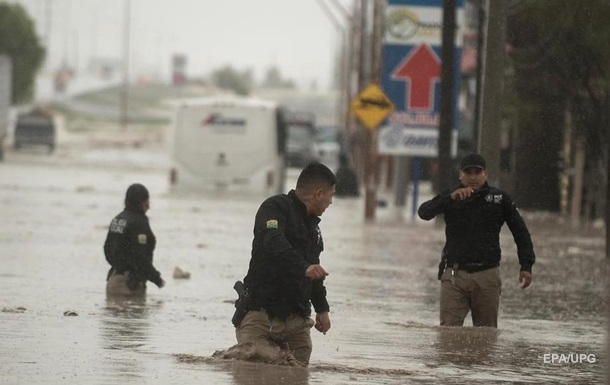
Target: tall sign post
x=125, y=89
x=448, y=111
x=411, y=78
x=371, y=106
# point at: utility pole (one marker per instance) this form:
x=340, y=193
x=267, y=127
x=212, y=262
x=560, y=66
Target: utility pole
x=48, y=17
x=607, y=213
x=66, y=38
x=358, y=137
x=347, y=67
x=479, y=74
x=125, y=91
x=362, y=49
x=446, y=173
x=492, y=85
x=342, y=72
x=94, y=32
x=370, y=173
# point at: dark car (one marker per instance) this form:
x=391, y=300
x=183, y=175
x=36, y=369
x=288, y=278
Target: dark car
x=328, y=146
x=35, y=127
x=301, y=139
x=301, y=144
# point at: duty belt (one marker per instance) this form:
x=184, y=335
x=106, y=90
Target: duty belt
x=473, y=267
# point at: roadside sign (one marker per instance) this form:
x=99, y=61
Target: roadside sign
x=412, y=76
x=372, y=106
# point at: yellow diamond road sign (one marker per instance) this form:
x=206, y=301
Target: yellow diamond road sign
x=372, y=106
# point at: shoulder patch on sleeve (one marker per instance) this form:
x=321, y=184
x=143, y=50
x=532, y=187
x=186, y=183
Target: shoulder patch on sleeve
x=272, y=224
x=142, y=238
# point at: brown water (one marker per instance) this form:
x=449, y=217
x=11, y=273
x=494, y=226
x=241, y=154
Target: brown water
x=382, y=290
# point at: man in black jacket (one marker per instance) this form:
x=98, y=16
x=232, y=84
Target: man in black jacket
x=474, y=214
x=129, y=246
x=285, y=276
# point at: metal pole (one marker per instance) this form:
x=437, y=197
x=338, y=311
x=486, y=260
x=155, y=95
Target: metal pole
x=342, y=74
x=607, y=214
x=415, y=177
x=564, y=179
x=479, y=74
x=341, y=9
x=359, y=133
x=363, y=48
x=94, y=32
x=330, y=16
x=371, y=135
x=348, y=140
x=66, y=37
x=125, y=93
x=446, y=172
x=48, y=15
x=402, y=180
x=492, y=88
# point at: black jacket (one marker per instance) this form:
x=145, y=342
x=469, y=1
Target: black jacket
x=473, y=226
x=286, y=241
x=130, y=244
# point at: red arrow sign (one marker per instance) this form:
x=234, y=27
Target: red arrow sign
x=420, y=70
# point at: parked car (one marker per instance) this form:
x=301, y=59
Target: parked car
x=301, y=139
x=327, y=146
x=35, y=127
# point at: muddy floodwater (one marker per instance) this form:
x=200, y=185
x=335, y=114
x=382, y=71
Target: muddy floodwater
x=58, y=326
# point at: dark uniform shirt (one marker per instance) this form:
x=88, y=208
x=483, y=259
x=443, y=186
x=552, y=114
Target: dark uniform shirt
x=286, y=242
x=473, y=227
x=130, y=244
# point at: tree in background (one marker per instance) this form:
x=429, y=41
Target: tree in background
x=230, y=79
x=19, y=41
x=559, y=54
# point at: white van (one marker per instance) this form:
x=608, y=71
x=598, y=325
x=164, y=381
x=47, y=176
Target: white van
x=228, y=144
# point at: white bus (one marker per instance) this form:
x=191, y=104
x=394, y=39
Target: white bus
x=228, y=144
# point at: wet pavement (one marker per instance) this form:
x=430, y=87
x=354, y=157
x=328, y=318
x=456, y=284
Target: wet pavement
x=58, y=326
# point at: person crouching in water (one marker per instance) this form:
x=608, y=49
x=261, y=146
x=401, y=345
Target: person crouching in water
x=129, y=246
x=285, y=276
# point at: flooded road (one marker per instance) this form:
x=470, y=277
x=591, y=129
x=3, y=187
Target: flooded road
x=58, y=326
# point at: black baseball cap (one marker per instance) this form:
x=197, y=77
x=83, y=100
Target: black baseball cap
x=473, y=161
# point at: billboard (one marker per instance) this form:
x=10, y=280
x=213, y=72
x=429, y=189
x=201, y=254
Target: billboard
x=412, y=74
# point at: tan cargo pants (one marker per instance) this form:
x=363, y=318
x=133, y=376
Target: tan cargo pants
x=294, y=332
x=117, y=285
x=478, y=292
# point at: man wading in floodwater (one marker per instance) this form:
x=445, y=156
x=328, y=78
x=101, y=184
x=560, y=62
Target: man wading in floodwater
x=469, y=271
x=129, y=246
x=285, y=272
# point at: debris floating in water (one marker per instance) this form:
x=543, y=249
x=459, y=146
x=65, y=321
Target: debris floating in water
x=70, y=313
x=19, y=309
x=181, y=274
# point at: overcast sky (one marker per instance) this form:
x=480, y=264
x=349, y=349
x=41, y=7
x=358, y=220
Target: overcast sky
x=295, y=35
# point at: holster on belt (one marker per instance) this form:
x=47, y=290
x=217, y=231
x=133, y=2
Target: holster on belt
x=442, y=265
x=241, y=304
x=133, y=282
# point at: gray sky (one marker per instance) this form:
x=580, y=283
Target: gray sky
x=295, y=35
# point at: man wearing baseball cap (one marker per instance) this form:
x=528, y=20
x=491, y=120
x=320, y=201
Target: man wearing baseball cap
x=474, y=214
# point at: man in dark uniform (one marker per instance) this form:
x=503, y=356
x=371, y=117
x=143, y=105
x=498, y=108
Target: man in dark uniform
x=285, y=276
x=474, y=214
x=129, y=246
